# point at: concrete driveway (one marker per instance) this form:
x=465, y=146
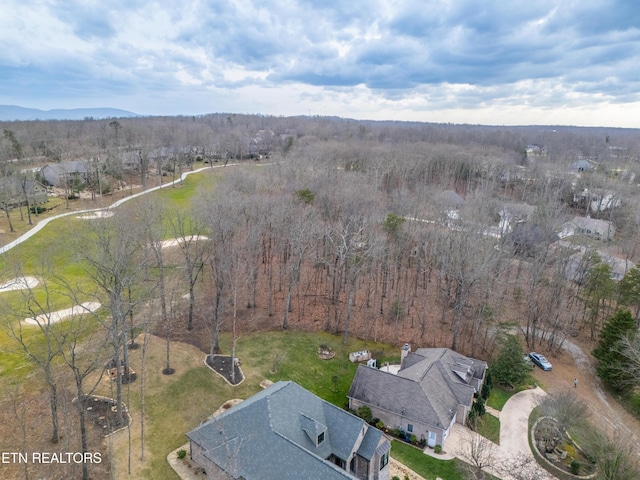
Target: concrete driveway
x=513, y=456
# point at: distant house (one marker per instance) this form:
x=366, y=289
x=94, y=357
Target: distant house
x=596, y=200
x=131, y=160
x=433, y=389
x=512, y=214
x=450, y=203
x=582, y=165
x=533, y=150
x=12, y=194
x=286, y=432
x=602, y=230
x=617, y=152
x=64, y=173
x=579, y=263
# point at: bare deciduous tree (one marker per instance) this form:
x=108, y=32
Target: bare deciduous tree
x=37, y=309
x=110, y=250
x=479, y=455
x=189, y=232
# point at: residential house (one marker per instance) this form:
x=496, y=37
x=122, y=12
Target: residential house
x=578, y=265
x=136, y=160
x=12, y=194
x=617, y=152
x=433, y=389
x=512, y=214
x=533, y=150
x=597, y=200
x=602, y=230
x=450, y=203
x=131, y=160
x=287, y=432
x=64, y=173
x=583, y=165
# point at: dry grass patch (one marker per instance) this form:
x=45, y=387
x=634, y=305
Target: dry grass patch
x=175, y=404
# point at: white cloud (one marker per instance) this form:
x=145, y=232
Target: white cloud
x=463, y=61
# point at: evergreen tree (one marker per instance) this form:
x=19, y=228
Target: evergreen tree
x=610, y=361
x=629, y=288
x=509, y=366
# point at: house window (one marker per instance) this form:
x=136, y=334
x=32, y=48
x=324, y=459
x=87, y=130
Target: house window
x=409, y=428
x=320, y=438
x=384, y=459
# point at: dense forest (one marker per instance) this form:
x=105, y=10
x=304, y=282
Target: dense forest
x=432, y=234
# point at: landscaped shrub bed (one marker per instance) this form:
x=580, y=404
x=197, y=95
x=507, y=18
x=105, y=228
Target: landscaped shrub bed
x=365, y=414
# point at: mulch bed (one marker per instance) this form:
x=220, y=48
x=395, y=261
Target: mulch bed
x=102, y=412
x=222, y=365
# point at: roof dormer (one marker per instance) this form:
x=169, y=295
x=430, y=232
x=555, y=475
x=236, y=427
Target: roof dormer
x=315, y=430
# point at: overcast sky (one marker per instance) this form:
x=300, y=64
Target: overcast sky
x=463, y=61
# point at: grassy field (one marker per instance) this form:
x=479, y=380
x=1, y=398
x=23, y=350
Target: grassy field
x=51, y=256
x=178, y=403
x=428, y=467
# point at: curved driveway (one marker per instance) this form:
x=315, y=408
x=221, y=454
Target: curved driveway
x=514, y=443
x=514, y=425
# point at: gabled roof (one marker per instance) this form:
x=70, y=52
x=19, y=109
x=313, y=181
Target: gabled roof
x=273, y=435
x=450, y=198
x=63, y=168
x=13, y=186
x=583, y=164
x=593, y=224
x=521, y=211
x=429, y=387
x=579, y=264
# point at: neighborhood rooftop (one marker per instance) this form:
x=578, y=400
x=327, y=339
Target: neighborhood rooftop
x=286, y=432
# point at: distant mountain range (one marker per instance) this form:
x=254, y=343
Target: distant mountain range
x=9, y=113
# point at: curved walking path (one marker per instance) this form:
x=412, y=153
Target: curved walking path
x=40, y=225
x=55, y=317
x=513, y=451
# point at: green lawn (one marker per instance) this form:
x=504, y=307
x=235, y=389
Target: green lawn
x=53, y=252
x=489, y=427
x=301, y=364
x=180, y=195
x=428, y=467
x=179, y=403
x=499, y=397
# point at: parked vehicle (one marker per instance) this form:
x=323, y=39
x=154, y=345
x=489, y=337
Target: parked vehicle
x=540, y=360
x=527, y=360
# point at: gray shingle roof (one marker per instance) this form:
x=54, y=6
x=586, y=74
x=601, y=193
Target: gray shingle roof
x=369, y=444
x=272, y=435
x=429, y=387
x=450, y=198
x=594, y=224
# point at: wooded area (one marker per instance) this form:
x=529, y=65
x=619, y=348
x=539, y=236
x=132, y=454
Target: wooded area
x=436, y=235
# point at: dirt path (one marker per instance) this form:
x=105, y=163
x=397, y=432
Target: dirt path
x=577, y=362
